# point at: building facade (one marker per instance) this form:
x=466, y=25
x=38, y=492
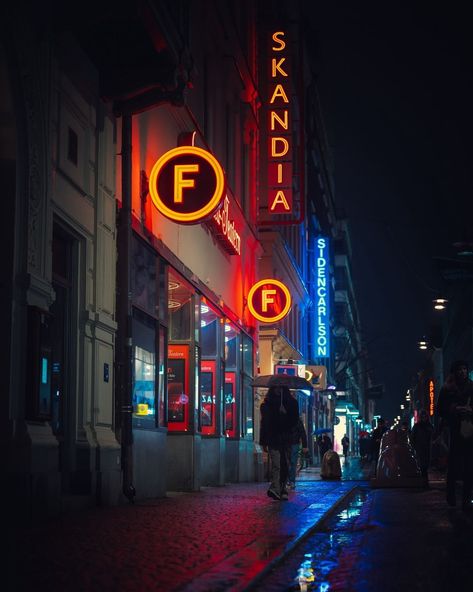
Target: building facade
x=135, y=324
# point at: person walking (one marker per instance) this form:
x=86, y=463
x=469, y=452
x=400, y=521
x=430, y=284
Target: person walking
x=376, y=436
x=279, y=417
x=299, y=438
x=421, y=439
x=455, y=405
x=345, y=445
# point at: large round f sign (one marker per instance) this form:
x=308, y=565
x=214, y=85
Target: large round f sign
x=269, y=300
x=187, y=185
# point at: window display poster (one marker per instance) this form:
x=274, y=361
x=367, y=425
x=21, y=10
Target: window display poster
x=230, y=406
x=207, y=397
x=178, y=387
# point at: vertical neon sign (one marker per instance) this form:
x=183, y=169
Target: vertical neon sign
x=280, y=129
x=431, y=397
x=322, y=300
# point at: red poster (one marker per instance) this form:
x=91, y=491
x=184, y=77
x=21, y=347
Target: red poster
x=207, y=397
x=231, y=423
x=178, y=387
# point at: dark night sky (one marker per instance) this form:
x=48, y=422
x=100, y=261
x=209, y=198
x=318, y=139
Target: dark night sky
x=396, y=88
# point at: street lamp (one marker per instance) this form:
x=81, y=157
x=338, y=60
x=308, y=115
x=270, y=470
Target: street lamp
x=422, y=344
x=439, y=303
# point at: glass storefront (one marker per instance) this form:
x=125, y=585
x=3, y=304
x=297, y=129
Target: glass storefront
x=192, y=366
x=210, y=369
x=149, y=337
x=181, y=312
x=232, y=350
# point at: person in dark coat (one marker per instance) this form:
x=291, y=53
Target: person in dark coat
x=299, y=438
x=421, y=439
x=455, y=403
x=376, y=436
x=345, y=445
x=279, y=417
x=325, y=445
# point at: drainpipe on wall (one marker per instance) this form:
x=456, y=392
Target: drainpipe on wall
x=124, y=348
x=124, y=312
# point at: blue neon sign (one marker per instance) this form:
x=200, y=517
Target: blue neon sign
x=322, y=299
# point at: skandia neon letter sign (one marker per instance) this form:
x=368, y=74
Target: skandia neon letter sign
x=187, y=185
x=269, y=300
x=322, y=300
x=279, y=128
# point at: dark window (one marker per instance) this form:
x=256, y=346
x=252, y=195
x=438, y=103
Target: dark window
x=72, y=146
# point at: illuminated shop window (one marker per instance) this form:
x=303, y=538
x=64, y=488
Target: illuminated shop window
x=231, y=392
x=210, y=340
x=180, y=321
x=179, y=309
x=144, y=383
x=161, y=376
x=144, y=370
x=247, y=390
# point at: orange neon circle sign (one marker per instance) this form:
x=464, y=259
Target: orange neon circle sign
x=187, y=184
x=269, y=300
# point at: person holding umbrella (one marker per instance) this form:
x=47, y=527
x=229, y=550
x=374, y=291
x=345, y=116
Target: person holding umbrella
x=279, y=417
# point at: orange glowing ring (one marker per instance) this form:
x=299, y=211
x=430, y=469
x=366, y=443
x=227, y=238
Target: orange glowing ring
x=212, y=204
x=284, y=311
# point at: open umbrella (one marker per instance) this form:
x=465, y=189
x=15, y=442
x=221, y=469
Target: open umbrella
x=292, y=382
x=322, y=431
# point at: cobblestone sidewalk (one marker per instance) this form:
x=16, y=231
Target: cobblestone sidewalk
x=223, y=535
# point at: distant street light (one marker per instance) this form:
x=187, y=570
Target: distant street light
x=464, y=248
x=439, y=303
x=422, y=344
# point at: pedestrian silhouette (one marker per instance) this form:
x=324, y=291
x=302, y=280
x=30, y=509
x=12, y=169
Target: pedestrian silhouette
x=299, y=439
x=376, y=436
x=421, y=440
x=454, y=405
x=345, y=445
x=279, y=417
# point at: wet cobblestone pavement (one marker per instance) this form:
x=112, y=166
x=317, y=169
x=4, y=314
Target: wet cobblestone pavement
x=383, y=540
x=235, y=538
x=215, y=539
x=309, y=567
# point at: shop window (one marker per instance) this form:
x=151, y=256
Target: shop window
x=144, y=370
x=178, y=387
x=247, y=391
x=232, y=349
x=208, y=330
x=247, y=351
x=179, y=309
x=72, y=146
x=211, y=375
x=162, y=376
x=61, y=314
x=207, y=396
x=143, y=277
